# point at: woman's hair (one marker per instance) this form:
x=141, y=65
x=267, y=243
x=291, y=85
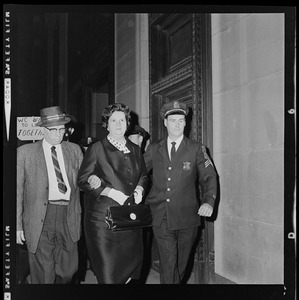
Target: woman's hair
x=110, y=109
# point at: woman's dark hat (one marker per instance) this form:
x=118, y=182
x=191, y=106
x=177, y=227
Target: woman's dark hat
x=136, y=129
x=53, y=116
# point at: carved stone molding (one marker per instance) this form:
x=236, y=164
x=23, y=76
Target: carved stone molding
x=172, y=79
x=196, y=78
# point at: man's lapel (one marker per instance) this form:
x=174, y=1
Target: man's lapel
x=41, y=162
x=163, y=149
x=182, y=149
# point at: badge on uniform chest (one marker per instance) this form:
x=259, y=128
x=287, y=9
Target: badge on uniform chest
x=186, y=165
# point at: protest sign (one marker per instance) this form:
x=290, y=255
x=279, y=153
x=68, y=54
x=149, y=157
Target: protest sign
x=27, y=129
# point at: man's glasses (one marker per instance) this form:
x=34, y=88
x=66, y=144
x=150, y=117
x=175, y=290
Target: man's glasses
x=55, y=130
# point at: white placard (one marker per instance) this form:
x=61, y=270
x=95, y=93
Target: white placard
x=27, y=129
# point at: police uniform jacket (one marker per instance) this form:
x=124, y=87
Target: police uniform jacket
x=174, y=188
x=33, y=190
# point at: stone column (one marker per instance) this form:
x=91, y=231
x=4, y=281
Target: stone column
x=132, y=64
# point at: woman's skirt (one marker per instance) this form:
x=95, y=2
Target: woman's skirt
x=114, y=255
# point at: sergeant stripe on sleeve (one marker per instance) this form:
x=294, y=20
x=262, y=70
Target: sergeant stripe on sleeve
x=206, y=156
x=207, y=163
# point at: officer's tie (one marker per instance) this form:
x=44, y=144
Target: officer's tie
x=61, y=185
x=173, y=151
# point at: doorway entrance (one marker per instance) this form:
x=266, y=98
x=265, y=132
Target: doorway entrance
x=180, y=68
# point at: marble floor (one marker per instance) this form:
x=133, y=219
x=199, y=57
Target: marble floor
x=153, y=278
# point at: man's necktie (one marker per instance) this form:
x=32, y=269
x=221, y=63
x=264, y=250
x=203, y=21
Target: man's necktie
x=173, y=151
x=61, y=185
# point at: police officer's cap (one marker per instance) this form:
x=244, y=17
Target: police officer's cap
x=174, y=107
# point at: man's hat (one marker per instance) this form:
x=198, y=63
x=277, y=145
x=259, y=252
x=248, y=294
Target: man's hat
x=53, y=116
x=136, y=129
x=174, y=107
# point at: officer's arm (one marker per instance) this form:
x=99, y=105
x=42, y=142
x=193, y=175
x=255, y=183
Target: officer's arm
x=207, y=177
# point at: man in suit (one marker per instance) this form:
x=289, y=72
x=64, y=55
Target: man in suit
x=48, y=201
x=176, y=163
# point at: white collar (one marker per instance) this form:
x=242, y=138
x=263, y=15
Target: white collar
x=121, y=146
x=49, y=146
x=178, y=141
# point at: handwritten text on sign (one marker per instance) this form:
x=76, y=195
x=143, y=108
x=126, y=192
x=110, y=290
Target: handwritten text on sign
x=27, y=129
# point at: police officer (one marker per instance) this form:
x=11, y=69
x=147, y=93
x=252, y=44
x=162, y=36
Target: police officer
x=176, y=162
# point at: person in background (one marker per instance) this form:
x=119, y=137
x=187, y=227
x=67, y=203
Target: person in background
x=112, y=170
x=48, y=201
x=86, y=142
x=176, y=162
x=69, y=128
x=138, y=135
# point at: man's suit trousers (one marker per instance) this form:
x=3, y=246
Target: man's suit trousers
x=56, y=258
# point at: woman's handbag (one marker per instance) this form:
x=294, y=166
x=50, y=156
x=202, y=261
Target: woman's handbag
x=128, y=216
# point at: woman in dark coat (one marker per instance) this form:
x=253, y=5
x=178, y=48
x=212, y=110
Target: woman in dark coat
x=111, y=171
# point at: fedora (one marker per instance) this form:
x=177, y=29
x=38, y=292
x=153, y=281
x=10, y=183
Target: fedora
x=53, y=116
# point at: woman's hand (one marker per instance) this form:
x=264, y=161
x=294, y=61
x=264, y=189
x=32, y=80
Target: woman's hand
x=137, y=196
x=94, y=181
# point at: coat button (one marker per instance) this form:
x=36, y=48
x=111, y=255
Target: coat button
x=168, y=189
x=42, y=220
x=169, y=168
x=168, y=179
x=167, y=200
